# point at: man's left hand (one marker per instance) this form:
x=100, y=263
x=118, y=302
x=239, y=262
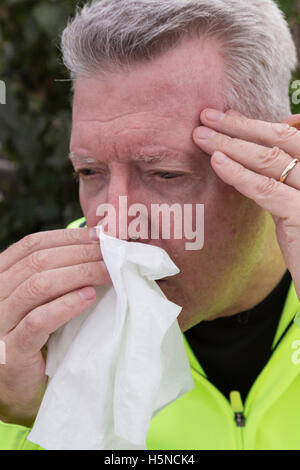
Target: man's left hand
x=251, y=156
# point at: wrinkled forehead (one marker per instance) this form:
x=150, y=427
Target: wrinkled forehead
x=182, y=81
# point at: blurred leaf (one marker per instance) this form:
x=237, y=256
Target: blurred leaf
x=40, y=194
x=50, y=17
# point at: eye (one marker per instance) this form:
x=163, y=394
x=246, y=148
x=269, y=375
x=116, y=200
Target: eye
x=166, y=175
x=85, y=173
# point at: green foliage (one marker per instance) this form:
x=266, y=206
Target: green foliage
x=37, y=191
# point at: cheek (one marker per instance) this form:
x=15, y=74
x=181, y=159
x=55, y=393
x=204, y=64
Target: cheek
x=89, y=207
x=234, y=237
x=233, y=233
x=222, y=214
x=231, y=222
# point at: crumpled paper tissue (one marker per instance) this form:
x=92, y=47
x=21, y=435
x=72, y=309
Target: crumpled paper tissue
x=120, y=362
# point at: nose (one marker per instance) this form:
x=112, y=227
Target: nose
x=117, y=196
x=122, y=192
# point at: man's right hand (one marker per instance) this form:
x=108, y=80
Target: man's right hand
x=46, y=279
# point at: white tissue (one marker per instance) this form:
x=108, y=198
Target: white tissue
x=115, y=366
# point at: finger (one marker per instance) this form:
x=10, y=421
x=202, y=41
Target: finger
x=268, y=134
x=44, y=260
x=270, y=162
x=293, y=121
x=33, y=331
x=43, y=240
x=280, y=200
x=46, y=286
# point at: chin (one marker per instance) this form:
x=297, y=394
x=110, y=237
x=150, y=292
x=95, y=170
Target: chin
x=174, y=294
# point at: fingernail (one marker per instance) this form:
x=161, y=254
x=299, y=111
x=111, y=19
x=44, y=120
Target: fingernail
x=93, y=234
x=204, y=132
x=214, y=114
x=87, y=293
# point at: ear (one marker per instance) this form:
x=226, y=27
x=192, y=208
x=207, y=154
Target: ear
x=293, y=121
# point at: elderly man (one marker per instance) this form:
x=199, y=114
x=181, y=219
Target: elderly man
x=179, y=101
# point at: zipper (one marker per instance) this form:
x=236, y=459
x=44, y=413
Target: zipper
x=234, y=409
x=237, y=408
x=238, y=416
x=235, y=404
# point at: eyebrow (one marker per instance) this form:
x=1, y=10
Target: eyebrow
x=144, y=157
x=81, y=159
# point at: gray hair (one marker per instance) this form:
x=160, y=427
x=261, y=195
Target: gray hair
x=255, y=42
